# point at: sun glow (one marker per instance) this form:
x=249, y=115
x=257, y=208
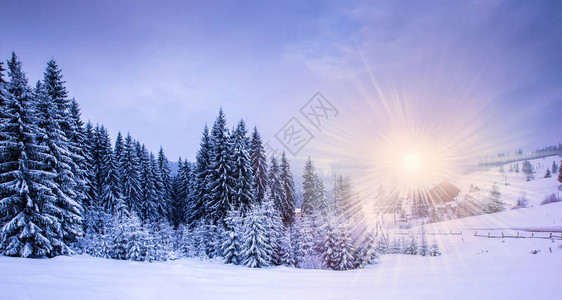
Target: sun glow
x=411, y=162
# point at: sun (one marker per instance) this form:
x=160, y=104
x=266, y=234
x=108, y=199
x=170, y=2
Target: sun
x=412, y=162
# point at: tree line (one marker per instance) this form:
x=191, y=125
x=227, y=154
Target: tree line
x=66, y=188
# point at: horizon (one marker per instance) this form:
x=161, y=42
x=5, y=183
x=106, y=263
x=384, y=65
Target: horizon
x=494, y=69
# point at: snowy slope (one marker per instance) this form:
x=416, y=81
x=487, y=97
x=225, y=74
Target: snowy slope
x=536, y=190
x=470, y=268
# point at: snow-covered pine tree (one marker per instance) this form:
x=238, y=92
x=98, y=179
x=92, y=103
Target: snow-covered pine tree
x=259, y=165
x=181, y=192
x=288, y=204
x=79, y=149
x=256, y=251
x=70, y=211
x=90, y=141
x=129, y=170
x=323, y=207
x=149, y=197
x=68, y=118
x=494, y=202
x=200, y=194
x=412, y=246
x=30, y=227
x=166, y=180
x=162, y=203
x=560, y=172
x=424, y=247
x=221, y=184
x=309, y=189
x=274, y=230
x=547, y=173
x=231, y=244
x=118, y=151
x=242, y=173
x=366, y=253
x=434, y=249
x=338, y=247
x=137, y=240
x=287, y=248
x=275, y=191
x=305, y=252
x=331, y=253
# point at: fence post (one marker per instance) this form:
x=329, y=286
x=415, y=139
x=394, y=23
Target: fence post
x=488, y=235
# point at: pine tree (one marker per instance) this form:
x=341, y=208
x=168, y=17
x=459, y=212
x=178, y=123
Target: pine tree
x=202, y=174
x=256, y=252
x=166, y=179
x=338, y=253
x=242, y=172
x=70, y=211
x=309, y=189
x=89, y=143
x=274, y=230
x=288, y=202
x=434, y=249
x=554, y=167
x=259, y=165
x=424, y=248
x=494, y=203
x=547, y=174
x=305, y=242
x=221, y=184
x=275, y=191
x=183, y=203
x=31, y=226
x=79, y=149
x=129, y=170
x=148, y=204
x=366, y=253
x=287, y=248
x=231, y=245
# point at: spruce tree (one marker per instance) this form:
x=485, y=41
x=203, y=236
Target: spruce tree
x=31, y=225
x=202, y=174
x=221, y=184
x=309, y=189
x=79, y=149
x=259, y=165
x=166, y=178
x=242, y=172
x=256, y=251
x=129, y=170
x=70, y=213
x=275, y=191
x=288, y=184
x=231, y=245
x=149, y=197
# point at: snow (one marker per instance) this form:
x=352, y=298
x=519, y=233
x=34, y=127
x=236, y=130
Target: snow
x=536, y=190
x=470, y=268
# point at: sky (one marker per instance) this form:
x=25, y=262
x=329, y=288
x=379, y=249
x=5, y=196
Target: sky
x=470, y=78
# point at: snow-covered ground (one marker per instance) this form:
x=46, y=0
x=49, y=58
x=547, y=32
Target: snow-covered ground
x=535, y=190
x=471, y=267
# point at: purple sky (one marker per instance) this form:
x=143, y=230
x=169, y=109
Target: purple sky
x=485, y=71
